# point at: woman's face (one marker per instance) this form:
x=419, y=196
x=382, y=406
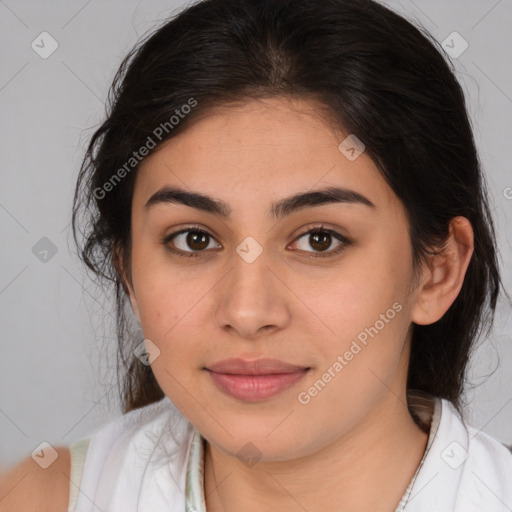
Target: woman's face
x=259, y=285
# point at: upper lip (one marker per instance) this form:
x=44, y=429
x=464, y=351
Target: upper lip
x=266, y=366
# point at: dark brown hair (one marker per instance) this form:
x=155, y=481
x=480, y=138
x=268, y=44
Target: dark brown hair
x=382, y=79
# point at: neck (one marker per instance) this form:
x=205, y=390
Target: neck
x=368, y=468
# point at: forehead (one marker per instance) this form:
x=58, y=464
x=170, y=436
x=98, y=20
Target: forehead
x=260, y=150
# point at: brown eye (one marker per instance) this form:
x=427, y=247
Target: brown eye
x=197, y=240
x=188, y=241
x=321, y=239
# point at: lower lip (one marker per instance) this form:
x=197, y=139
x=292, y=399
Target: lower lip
x=253, y=388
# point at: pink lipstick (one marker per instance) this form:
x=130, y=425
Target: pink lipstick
x=256, y=380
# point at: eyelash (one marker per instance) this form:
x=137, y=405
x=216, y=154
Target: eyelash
x=318, y=229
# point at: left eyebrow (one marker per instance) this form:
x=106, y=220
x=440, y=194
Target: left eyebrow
x=278, y=210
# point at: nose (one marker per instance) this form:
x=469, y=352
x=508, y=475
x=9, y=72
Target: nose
x=253, y=299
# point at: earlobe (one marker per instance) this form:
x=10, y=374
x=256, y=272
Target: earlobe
x=445, y=274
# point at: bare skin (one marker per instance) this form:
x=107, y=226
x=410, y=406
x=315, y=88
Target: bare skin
x=28, y=487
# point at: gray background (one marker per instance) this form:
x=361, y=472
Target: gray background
x=58, y=347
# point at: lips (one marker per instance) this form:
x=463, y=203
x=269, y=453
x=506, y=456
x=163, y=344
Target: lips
x=253, y=381
x=238, y=366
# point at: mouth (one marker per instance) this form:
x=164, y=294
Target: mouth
x=253, y=381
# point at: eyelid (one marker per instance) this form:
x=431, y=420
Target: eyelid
x=323, y=227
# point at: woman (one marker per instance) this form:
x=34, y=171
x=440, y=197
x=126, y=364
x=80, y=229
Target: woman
x=288, y=194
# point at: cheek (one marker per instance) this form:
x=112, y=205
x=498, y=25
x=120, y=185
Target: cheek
x=164, y=293
x=361, y=314
x=361, y=350
x=173, y=307
x=167, y=311
x=352, y=297
x=169, y=319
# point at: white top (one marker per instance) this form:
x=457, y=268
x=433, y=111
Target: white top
x=151, y=460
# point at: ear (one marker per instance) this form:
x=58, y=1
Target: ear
x=124, y=276
x=444, y=276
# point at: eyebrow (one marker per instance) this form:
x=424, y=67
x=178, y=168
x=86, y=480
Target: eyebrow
x=278, y=210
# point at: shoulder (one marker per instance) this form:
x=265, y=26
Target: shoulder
x=137, y=461
x=478, y=445
x=27, y=486
x=478, y=465
x=490, y=450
